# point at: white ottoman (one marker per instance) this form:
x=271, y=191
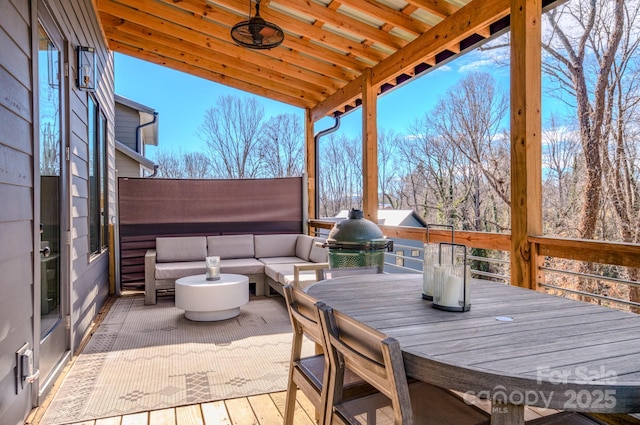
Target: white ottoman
x=208, y=300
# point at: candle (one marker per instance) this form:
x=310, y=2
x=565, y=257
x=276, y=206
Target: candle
x=428, y=272
x=452, y=291
x=427, y=282
x=213, y=268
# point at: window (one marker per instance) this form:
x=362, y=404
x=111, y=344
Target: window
x=400, y=258
x=415, y=252
x=97, y=127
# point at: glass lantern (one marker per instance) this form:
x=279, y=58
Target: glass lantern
x=213, y=268
x=431, y=259
x=452, y=279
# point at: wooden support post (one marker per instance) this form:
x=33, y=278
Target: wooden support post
x=526, y=139
x=369, y=148
x=310, y=162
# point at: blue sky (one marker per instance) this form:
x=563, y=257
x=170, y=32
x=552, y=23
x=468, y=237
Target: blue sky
x=182, y=99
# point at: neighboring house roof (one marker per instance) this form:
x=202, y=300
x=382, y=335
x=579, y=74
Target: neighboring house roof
x=145, y=162
x=147, y=115
x=394, y=218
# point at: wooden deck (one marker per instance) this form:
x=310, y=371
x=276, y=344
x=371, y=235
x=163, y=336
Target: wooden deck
x=264, y=409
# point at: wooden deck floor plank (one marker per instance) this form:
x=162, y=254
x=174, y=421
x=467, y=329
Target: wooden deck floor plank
x=240, y=412
x=189, y=415
x=300, y=416
x=215, y=413
x=136, y=419
x=162, y=417
x=265, y=410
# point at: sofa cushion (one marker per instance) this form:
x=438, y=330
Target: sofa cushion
x=303, y=246
x=281, y=260
x=241, y=266
x=283, y=245
x=275, y=270
x=318, y=254
x=180, y=269
x=230, y=246
x=182, y=248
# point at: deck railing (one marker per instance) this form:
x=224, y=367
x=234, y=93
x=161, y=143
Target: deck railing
x=602, y=272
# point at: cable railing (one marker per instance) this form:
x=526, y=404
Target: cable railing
x=556, y=274
x=415, y=262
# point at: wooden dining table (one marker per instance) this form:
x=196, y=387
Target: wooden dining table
x=515, y=347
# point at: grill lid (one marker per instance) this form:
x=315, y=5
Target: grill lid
x=356, y=232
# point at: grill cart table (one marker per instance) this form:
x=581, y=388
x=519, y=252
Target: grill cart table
x=515, y=346
x=208, y=300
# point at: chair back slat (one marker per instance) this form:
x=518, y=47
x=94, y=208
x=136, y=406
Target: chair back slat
x=303, y=312
x=370, y=354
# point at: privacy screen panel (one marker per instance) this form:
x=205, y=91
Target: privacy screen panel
x=178, y=207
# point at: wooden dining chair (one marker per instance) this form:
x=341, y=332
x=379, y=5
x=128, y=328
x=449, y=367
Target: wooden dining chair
x=377, y=359
x=310, y=374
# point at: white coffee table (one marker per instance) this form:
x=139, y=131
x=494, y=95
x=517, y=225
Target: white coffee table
x=208, y=300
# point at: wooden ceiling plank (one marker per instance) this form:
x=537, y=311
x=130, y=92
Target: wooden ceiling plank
x=213, y=47
x=346, y=23
x=209, y=75
x=163, y=46
x=397, y=18
x=441, y=9
x=224, y=20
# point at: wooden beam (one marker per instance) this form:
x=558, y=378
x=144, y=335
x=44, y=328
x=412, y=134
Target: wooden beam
x=174, y=49
x=394, y=17
x=340, y=98
x=614, y=253
x=208, y=75
x=310, y=162
x=369, y=148
x=526, y=139
x=346, y=23
x=441, y=9
x=466, y=21
x=448, y=33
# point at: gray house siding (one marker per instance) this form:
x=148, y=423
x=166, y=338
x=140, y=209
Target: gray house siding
x=127, y=167
x=16, y=215
x=85, y=283
x=128, y=122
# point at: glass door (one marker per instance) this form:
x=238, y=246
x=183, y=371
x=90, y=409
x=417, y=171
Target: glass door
x=53, y=334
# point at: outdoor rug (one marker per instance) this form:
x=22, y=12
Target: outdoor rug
x=150, y=357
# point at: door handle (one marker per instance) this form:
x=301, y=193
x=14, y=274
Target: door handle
x=45, y=252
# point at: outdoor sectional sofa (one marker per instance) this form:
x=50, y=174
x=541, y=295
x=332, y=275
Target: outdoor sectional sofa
x=268, y=260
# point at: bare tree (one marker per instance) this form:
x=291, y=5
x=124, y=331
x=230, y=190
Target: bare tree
x=582, y=44
x=231, y=132
x=282, y=147
x=563, y=165
x=340, y=175
x=389, y=174
x=169, y=164
x=196, y=165
x=470, y=117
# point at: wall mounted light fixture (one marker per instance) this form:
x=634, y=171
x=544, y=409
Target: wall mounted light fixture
x=86, y=68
